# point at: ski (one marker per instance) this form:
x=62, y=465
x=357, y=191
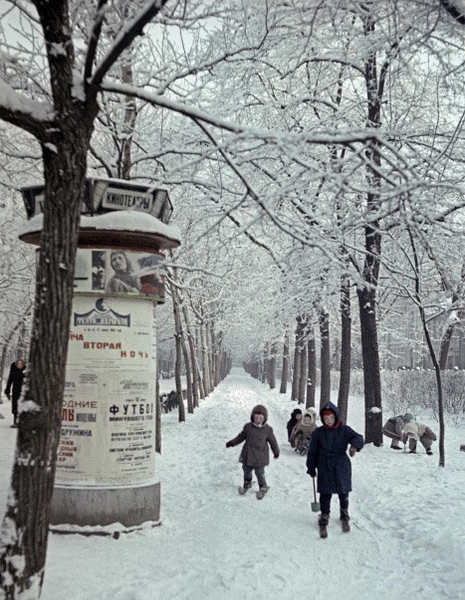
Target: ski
x=323, y=531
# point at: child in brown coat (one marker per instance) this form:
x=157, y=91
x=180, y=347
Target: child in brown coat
x=258, y=437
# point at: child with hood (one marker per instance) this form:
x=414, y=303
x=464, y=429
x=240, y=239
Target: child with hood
x=296, y=416
x=394, y=427
x=258, y=436
x=302, y=432
x=327, y=456
x=417, y=432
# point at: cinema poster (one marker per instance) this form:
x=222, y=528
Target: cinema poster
x=108, y=414
x=118, y=272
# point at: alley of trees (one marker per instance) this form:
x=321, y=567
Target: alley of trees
x=313, y=151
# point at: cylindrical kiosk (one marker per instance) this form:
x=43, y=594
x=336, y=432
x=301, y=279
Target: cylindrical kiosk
x=106, y=470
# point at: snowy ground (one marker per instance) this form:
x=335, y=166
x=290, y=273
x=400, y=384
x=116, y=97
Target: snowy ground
x=407, y=538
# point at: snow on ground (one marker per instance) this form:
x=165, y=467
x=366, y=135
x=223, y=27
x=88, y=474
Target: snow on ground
x=407, y=538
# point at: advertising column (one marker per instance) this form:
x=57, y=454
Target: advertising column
x=106, y=471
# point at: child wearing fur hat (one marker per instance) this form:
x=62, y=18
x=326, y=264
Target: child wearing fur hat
x=302, y=432
x=258, y=437
x=327, y=456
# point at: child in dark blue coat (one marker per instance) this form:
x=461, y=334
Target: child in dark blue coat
x=328, y=461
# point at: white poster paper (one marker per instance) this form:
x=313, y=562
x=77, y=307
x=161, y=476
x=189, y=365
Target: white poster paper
x=108, y=420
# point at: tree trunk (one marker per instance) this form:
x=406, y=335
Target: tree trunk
x=196, y=381
x=437, y=370
x=177, y=309
x=130, y=115
x=178, y=352
x=371, y=370
x=286, y=356
x=213, y=355
x=187, y=367
x=272, y=366
x=303, y=375
x=300, y=362
x=311, y=377
x=325, y=363
x=297, y=366
x=265, y=362
x=198, y=355
x=457, y=299
x=367, y=292
x=205, y=361
x=28, y=509
x=221, y=358
x=445, y=345
x=346, y=334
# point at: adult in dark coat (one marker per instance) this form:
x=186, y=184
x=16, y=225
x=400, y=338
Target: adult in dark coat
x=295, y=418
x=255, y=456
x=14, y=386
x=327, y=456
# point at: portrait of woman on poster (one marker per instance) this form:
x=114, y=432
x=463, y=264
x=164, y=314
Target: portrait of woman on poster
x=124, y=280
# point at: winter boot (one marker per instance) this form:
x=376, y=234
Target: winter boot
x=345, y=520
x=323, y=523
x=395, y=446
x=261, y=493
x=429, y=451
x=323, y=520
x=247, y=485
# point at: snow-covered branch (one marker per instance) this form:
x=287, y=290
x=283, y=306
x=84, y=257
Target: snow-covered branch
x=23, y=112
x=125, y=38
x=323, y=138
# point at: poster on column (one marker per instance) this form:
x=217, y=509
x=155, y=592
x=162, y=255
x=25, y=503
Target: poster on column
x=116, y=272
x=108, y=416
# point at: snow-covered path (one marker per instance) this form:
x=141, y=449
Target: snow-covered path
x=407, y=538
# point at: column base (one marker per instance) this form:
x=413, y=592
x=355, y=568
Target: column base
x=104, y=506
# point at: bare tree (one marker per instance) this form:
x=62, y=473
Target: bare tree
x=437, y=369
x=62, y=122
